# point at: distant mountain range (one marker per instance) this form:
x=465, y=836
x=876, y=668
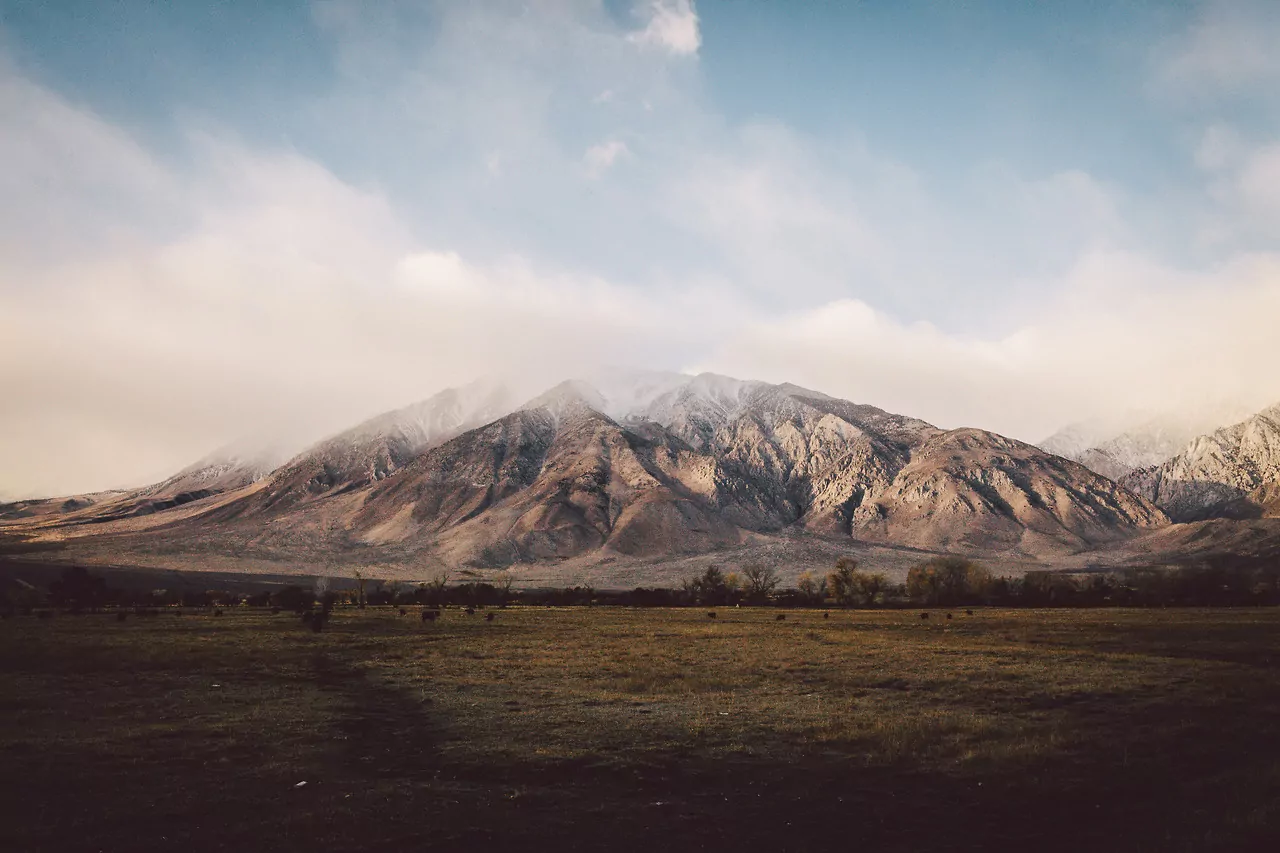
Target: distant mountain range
x=633, y=469
x=1115, y=447
x=1233, y=472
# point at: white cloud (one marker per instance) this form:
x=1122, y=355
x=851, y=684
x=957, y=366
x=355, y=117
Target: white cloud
x=1230, y=47
x=600, y=158
x=1244, y=182
x=671, y=25
x=1220, y=146
x=1125, y=333
x=1259, y=183
x=175, y=308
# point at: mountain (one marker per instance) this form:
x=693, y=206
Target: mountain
x=716, y=462
x=227, y=469
x=1233, y=472
x=635, y=470
x=380, y=446
x=1116, y=447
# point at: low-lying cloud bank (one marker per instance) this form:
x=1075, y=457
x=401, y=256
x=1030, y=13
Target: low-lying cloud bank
x=151, y=311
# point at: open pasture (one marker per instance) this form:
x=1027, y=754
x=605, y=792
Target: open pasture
x=595, y=728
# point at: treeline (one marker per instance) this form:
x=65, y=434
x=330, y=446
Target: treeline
x=955, y=581
x=938, y=582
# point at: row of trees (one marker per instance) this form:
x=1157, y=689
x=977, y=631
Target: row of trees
x=945, y=580
x=956, y=581
x=941, y=581
x=755, y=585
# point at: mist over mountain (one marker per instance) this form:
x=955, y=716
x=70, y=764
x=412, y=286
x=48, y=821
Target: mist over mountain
x=1113, y=447
x=1233, y=472
x=631, y=466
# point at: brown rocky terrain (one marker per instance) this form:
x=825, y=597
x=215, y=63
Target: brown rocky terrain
x=1233, y=472
x=710, y=466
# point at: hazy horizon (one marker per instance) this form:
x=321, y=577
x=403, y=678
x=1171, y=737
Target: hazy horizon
x=221, y=220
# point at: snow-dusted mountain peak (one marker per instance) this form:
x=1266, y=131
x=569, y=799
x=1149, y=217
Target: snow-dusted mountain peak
x=568, y=398
x=1117, y=446
x=446, y=412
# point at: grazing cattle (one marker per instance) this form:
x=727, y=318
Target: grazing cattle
x=430, y=615
x=924, y=615
x=122, y=616
x=471, y=611
x=177, y=613
x=404, y=612
x=780, y=617
x=488, y=617
x=275, y=611
x=217, y=613
x=826, y=615
x=948, y=615
x=711, y=614
x=968, y=613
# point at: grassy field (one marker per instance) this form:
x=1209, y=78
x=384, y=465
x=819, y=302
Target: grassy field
x=609, y=728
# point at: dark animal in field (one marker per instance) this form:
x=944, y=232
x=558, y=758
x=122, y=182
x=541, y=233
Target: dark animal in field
x=217, y=613
x=275, y=611
x=404, y=612
x=471, y=611
x=948, y=615
x=177, y=613
x=711, y=614
x=924, y=615
x=780, y=617
x=968, y=613
x=488, y=617
x=826, y=615
x=307, y=616
x=430, y=615
x=122, y=616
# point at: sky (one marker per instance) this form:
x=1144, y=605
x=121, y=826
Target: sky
x=231, y=219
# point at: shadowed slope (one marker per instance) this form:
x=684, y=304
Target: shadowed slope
x=973, y=490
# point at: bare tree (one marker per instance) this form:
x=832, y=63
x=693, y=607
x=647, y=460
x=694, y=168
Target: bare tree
x=504, y=588
x=360, y=579
x=437, y=587
x=760, y=581
x=814, y=589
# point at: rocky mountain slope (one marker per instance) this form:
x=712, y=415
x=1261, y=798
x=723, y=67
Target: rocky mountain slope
x=226, y=469
x=659, y=468
x=1117, y=447
x=381, y=446
x=1233, y=472
x=717, y=462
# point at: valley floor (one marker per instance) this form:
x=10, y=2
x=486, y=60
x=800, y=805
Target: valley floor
x=610, y=728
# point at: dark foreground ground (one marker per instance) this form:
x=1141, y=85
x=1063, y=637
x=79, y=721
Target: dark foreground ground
x=592, y=728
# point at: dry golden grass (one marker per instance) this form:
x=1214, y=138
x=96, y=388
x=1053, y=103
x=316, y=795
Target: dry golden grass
x=604, y=727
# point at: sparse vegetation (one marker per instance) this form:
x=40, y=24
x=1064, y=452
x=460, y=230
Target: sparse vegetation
x=1134, y=729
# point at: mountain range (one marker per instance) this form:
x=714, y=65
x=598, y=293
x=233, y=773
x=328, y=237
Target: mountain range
x=1114, y=447
x=629, y=472
x=1233, y=472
